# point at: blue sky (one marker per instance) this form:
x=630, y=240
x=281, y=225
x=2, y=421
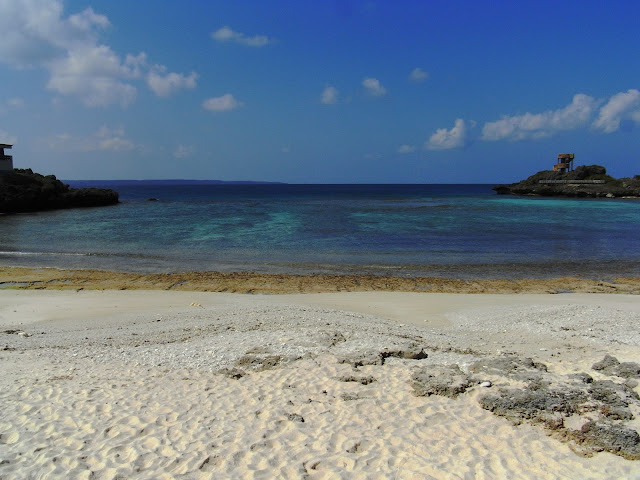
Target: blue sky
x=319, y=91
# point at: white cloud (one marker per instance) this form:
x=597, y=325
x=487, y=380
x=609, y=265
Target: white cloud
x=373, y=87
x=6, y=137
x=36, y=34
x=329, y=95
x=87, y=19
x=621, y=106
x=95, y=74
x=540, y=125
x=183, y=151
x=406, y=149
x=33, y=31
x=226, y=34
x=165, y=84
x=224, y=103
x=104, y=139
x=111, y=139
x=418, y=75
x=444, y=139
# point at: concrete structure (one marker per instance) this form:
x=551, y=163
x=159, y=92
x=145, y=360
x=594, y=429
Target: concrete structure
x=565, y=162
x=6, y=161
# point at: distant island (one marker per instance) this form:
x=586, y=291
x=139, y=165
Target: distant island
x=565, y=181
x=165, y=182
x=22, y=190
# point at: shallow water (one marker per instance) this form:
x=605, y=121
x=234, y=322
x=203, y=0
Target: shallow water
x=464, y=231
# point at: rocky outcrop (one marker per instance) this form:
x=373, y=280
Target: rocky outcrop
x=574, y=184
x=592, y=414
x=26, y=191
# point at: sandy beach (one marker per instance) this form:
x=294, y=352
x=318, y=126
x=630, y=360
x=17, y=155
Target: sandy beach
x=156, y=384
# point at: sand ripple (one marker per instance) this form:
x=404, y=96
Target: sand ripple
x=129, y=396
x=298, y=421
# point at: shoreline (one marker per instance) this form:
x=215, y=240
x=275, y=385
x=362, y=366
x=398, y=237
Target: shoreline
x=272, y=283
x=187, y=384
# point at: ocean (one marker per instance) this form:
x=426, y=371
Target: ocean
x=457, y=231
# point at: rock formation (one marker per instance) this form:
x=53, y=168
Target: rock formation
x=26, y=191
x=584, y=181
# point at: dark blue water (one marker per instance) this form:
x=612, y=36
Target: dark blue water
x=464, y=231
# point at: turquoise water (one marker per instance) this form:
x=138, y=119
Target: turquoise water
x=448, y=230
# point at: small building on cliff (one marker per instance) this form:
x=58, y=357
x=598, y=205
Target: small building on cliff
x=6, y=161
x=565, y=162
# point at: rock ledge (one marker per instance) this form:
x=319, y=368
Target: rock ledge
x=574, y=184
x=26, y=191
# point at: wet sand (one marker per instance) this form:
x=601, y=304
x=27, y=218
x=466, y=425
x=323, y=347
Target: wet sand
x=49, y=278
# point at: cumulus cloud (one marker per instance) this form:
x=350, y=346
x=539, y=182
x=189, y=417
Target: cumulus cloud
x=444, y=139
x=621, y=106
x=329, y=95
x=226, y=34
x=165, y=84
x=95, y=74
x=37, y=34
x=406, y=149
x=104, y=139
x=540, y=125
x=34, y=31
x=374, y=87
x=87, y=19
x=418, y=75
x=224, y=103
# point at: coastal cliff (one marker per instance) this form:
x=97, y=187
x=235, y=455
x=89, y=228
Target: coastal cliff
x=584, y=181
x=25, y=191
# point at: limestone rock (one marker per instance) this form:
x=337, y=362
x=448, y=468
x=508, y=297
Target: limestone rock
x=26, y=191
x=446, y=380
x=611, y=188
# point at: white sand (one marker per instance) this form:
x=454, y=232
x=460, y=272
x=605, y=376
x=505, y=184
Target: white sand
x=127, y=384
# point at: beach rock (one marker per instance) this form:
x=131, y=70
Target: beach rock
x=582, y=377
x=361, y=380
x=611, y=366
x=537, y=406
x=26, y=191
x=233, y=373
x=258, y=363
x=603, y=405
x=607, y=363
x=358, y=359
x=628, y=370
x=411, y=353
x=524, y=369
x=445, y=380
x=616, y=439
x=328, y=339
